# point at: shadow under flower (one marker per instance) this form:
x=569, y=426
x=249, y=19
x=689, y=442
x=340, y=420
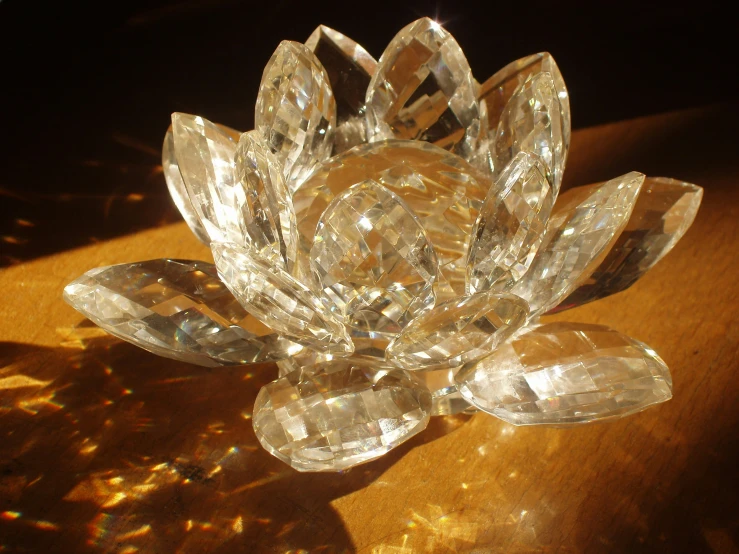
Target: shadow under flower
x=106, y=447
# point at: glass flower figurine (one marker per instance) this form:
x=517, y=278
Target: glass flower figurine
x=389, y=234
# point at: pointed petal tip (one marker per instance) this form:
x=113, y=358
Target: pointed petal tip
x=296, y=110
x=450, y=114
x=207, y=326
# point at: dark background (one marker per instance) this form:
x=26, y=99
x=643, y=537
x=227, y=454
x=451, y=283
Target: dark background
x=88, y=87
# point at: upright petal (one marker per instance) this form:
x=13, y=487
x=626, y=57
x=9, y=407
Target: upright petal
x=205, y=154
x=177, y=309
x=177, y=189
x=338, y=415
x=372, y=258
x=664, y=211
x=277, y=300
x=458, y=331
x=296, y=111
x=498, y=89
x=263, y=208
x=585, y=224
x=566, y=373
x=349, y=67
x=423, y=90
x=532, y=122
x=510, y=227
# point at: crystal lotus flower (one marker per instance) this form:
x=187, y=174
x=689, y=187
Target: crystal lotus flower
x=390, y=233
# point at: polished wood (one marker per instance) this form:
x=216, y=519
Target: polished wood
x=106, y=448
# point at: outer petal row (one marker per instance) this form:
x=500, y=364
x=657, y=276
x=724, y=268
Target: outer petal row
x=178, y=309
x=564, y=373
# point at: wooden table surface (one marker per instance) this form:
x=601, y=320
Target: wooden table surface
x=106, y=448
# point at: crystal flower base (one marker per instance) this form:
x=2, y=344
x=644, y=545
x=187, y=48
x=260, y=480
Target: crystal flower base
x=390, y=233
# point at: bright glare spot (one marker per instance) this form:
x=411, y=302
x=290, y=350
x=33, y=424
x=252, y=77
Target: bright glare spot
x=10, y=515
x=567, y=232
x=46, y=525
x=435, y=25
x=365, y=224
x=465, y=486
x=513, y=474
x=238, y=525
x=507, y=430
x=143, y=530
x=117, y=498
x=523, y=513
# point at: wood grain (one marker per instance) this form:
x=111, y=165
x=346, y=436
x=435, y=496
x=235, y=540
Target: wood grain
x=106, y=448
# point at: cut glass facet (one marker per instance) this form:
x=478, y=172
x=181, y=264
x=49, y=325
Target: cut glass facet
x=205, y=154
x=296, y=111
x=510, y=226
x=177, y=309
x=563, y=373
x=177, y=189
x=443, y=190
x=664, y=211
x=373, y=261
x=276, y=299
x=458, y=331
x=532, y=122
x=423, y=90
x=338, y=415
x=266, y=213
x=585, y=223
x=349, y=68
x=498, y=89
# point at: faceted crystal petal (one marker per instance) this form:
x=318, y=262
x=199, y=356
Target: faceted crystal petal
x=564, y=373
x=458, y=331
x=263, y=207
x=205, y=154
x=498, y=89
x=276, y=299
x=296, y=111
x=372, y=258
x=510, y=226
x=664, y=211
x=177, y=309
x=338, y=415
x=444, y=191
x=532, y=122
x=423, y=89
x=585, y=224
x=349, y=67
x=177, y=189
x=446, y=399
